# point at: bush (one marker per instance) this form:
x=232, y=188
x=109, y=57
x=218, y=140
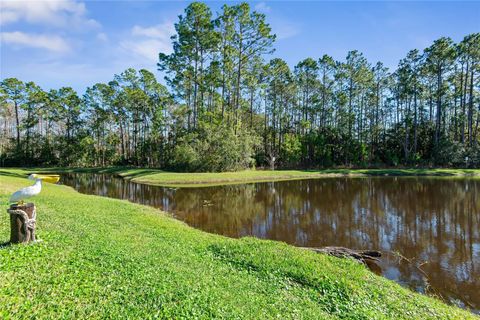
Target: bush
x=214, y=148
x=185, y=157
x=292, y=149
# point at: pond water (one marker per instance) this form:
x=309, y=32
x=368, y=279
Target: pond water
x=433, y=222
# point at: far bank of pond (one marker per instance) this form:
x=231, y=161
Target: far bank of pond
x=433, y=222
x=204, y=179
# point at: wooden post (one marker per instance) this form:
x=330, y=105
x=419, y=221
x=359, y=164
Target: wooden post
x=22, y=223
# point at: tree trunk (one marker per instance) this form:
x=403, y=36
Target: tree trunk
x=27, y=144
x=430, y=104
x=350, y=97
x=251, y=107
x=475, y=131
x=195, y=85
x=224, y=71
x=415, y=134
x=406, y=146
x=470, y=112
x=239, y=72
x=17, y=120
x=439, y=108
x=464, y=98
x=22, y=223
x=122, y=140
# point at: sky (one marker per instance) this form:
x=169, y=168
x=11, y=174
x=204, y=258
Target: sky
x=80, y=43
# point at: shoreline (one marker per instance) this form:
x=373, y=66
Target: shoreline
x=157, y=177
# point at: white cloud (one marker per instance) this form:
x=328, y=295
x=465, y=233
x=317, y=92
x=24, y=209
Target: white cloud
x=145, y=49
x=285, y=30
x=283, y=27
x=262, y=7
x=162, y=31
x=102, y=37
x=55, y=73
x=43, y=41
x=59, y=13
x=148, y=42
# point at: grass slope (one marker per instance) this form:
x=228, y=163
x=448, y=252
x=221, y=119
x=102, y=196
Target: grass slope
x=177, y=179
x=107, y=258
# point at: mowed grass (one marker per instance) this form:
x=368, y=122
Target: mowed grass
x=175, y=179
x=182, y=179
x=107, y=258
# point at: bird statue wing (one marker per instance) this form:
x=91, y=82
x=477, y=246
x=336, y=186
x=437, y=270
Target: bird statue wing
x=16, y=196
x=27, y=192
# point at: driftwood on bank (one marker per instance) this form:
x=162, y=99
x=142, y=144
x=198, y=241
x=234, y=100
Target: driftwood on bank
x=22, y=223
x=367, y=257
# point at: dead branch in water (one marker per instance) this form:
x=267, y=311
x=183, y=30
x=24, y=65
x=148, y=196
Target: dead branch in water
x=428, y=287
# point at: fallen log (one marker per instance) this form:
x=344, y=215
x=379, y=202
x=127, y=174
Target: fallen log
x=367, y=257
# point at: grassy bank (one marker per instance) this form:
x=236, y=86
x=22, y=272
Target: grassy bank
x=107, y=258
x=177, y=179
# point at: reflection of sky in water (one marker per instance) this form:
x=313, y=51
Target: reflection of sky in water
x=391, y=273
x=436, y=221
x=476, y=250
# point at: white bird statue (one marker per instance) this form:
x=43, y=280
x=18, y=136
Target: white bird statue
x=27, y=192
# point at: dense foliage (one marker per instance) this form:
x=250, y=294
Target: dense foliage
x=227, y=108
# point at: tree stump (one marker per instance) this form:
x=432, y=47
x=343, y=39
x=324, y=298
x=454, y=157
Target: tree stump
x=22, y=223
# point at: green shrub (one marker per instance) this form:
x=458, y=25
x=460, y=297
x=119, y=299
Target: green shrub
x=214, y=148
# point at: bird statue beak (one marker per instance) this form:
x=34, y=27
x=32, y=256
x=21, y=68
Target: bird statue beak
x=50, y=178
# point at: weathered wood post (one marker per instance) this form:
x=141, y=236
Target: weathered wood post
x=22, y=223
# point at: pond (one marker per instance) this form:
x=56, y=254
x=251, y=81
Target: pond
x=427, y=228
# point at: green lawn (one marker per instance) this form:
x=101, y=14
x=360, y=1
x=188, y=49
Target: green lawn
x=107, y=258
x=176, y=179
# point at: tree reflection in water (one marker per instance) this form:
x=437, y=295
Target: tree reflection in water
x=435, y=221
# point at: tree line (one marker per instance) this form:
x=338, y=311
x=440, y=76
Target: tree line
x=225, y=106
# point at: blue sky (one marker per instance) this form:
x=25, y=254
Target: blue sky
x=78, y=43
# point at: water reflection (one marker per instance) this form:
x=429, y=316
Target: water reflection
x=434, y=222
